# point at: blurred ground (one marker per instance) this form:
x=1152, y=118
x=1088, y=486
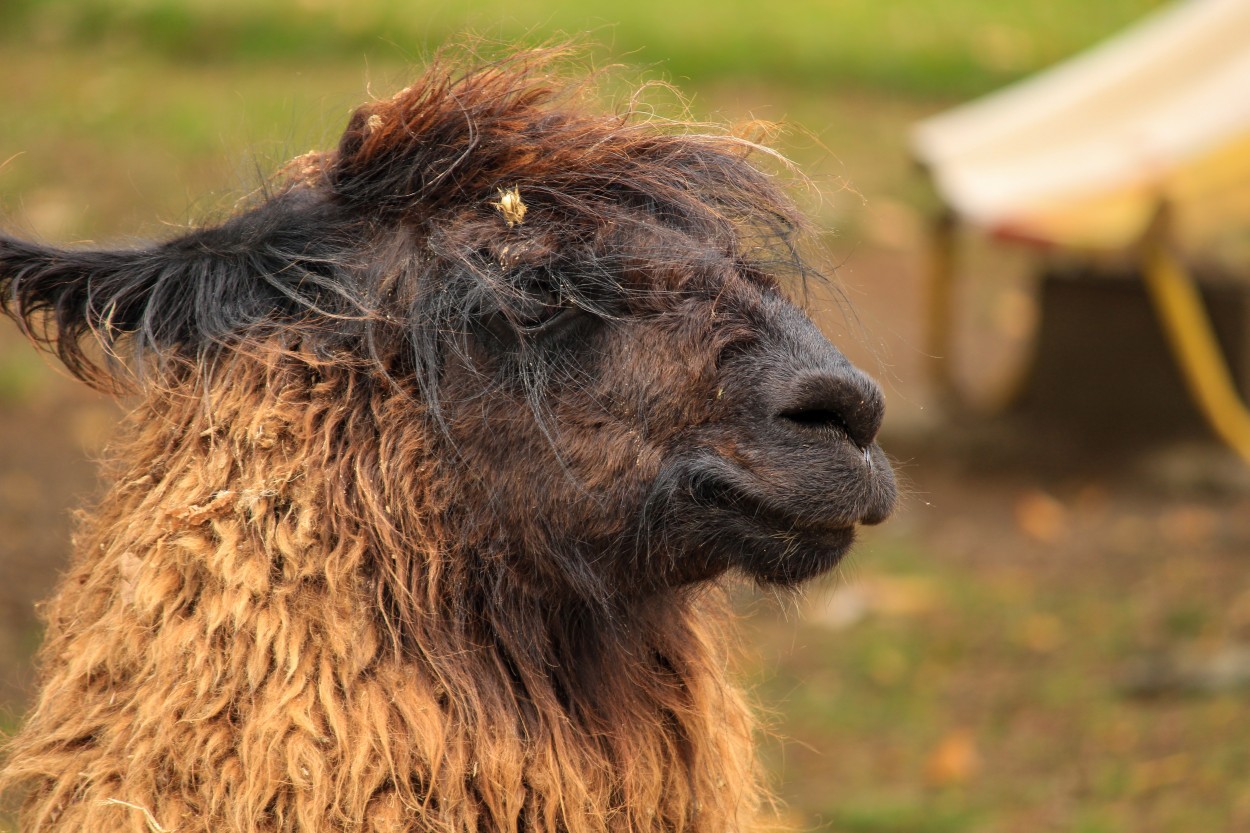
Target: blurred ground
x=1052, y=633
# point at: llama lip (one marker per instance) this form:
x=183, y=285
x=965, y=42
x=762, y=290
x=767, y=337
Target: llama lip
x=778, y=547
x=738, y=527
x=763, y=513
x=719, y=484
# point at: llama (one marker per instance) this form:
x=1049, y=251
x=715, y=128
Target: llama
x=442, y=453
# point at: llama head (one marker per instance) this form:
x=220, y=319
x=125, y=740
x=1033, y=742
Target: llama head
x=584, y=315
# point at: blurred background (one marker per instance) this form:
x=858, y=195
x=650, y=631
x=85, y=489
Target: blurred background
x=1053, y=633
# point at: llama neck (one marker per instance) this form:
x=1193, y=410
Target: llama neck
x=222, y=656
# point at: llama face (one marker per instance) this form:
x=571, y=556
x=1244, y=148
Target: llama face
x=658, y=426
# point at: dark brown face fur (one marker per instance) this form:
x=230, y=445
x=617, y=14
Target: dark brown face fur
x=707, y=425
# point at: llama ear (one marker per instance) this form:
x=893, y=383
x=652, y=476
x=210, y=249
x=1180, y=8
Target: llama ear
x=179, y=297
x=60, y=297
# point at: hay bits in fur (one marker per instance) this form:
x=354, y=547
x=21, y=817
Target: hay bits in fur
x=511, y=206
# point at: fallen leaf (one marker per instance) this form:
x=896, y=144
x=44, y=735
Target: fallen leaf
x=954, y=761
x=1041, y=517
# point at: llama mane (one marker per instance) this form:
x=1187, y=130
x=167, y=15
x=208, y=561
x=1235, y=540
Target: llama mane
x=497, y=713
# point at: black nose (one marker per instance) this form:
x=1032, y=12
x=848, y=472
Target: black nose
x=840, y=403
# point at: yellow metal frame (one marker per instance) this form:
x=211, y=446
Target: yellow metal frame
x=1187, y=327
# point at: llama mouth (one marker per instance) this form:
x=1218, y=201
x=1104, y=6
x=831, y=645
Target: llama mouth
x=770, y=542
x=762, y=513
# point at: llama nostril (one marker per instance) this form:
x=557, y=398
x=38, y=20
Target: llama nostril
x=816, y=418
x=846, y=404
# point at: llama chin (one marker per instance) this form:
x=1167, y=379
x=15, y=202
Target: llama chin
x=442, y=456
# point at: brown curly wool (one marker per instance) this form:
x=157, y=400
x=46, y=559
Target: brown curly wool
x=422, y=520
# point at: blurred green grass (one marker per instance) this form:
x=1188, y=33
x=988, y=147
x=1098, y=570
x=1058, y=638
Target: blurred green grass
x=958, y=47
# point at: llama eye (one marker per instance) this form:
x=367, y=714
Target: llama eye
x=543, y=309
x=533, y=312
x=551, y=319
x=539, y=315
x=554, y=322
